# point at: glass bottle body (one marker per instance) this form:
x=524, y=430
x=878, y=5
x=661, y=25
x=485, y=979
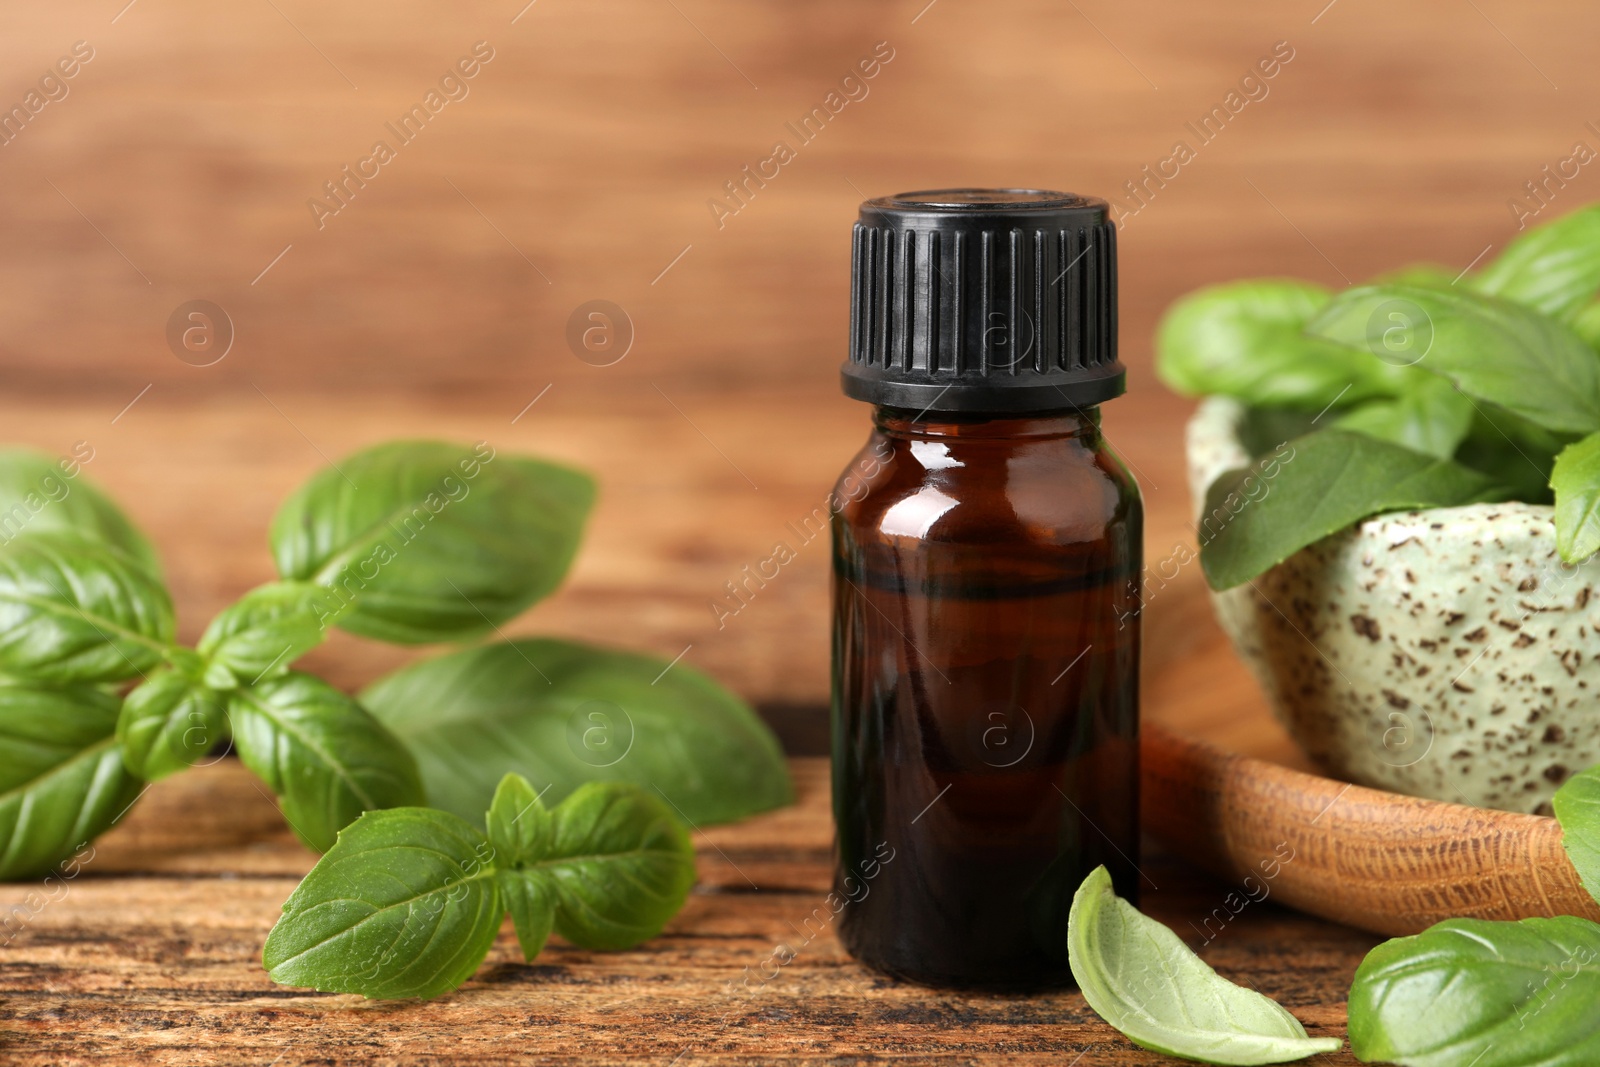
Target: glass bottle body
x=985, y=691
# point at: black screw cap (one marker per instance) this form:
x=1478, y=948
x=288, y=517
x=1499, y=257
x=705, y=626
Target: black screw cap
x=999, y=301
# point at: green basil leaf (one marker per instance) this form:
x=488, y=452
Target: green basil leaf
x=1432, y=274
x=1139, y=977
x=1492, y=349
x=263, y=633
x=1317, y=485
x=1587, y=325
x=518, y=822
x=613, y=868
x=533, y=905
x=73, y=610
x=1246, y=340
x=520, y=830
x=1577, y=805
x=562, y=714
x=421, y=541
x=62, y=780
x=1554, y=268
x=1489, y=994
x=1516, y=453
x=1576, y=481
x=41, y=494
x=404, y=905
x=325, y=757
x=168, y=722
x=1431, y=417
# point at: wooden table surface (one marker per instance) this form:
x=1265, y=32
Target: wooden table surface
x=181, y=163
x=153, y=954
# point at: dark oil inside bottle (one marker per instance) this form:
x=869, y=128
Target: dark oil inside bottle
x=985, y=692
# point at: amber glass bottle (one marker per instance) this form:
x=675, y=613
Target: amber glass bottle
x=986, y=590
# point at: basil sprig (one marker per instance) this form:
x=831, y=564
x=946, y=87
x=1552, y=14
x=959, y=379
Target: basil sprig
x=1497, y=373
x=408, y=541
x=408, y=902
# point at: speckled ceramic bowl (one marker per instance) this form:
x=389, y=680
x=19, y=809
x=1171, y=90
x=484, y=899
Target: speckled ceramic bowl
x=1444, y=653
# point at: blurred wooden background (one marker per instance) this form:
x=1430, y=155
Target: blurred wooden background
x=180, y=162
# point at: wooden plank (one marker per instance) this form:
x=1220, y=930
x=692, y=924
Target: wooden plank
x=152, y=956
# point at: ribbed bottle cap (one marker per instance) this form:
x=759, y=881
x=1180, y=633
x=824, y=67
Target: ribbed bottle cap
x=984, y=300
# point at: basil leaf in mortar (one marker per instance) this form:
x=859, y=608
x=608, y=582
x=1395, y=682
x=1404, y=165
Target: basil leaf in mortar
x=1554, y=268
x=1577, y=805
x=168, y=722
x=1245, y=339
x=1139, y=977
x=62, y=780
x=1513, y=451
x=43, y=494
x=263, y=633
x=562, y=714
x=1317, y=485
x=324, y=756
x=1431, y=417
x=1492, y=349
x=1576, y=481
x=74, y=610
x=1489, y=994
x=405, y=904
x=422, y=541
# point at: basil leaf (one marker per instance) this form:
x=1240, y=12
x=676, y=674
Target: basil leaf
x=518, y=822
x=1433, y=274
x=321, y=753
x=1576, y=481
x=532, y=903
x=1587, y=325
x=168, y=722
x=1430, y=417
x=1246, y=340
x=1489, y=994
x=39, y=494
x=421, y=541
x=1554, y=268
x=1577, y=805
x=261, y=634
x=562, y=714
x=1492, y=349
x=1139, y=977
x=1317, y=485
x=73, y=610
x=608, y=871
x=62, y=781
x=520, y=830
x=1513, y=451
x=405, y=904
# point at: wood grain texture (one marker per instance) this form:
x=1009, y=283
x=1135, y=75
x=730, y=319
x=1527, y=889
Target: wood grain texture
x=437, y=302
x=1391, y=864
x=152, y=956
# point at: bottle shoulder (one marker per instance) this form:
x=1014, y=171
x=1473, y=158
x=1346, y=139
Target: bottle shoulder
x=1051, y=491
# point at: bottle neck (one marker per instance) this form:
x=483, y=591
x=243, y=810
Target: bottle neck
x=927, y=425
